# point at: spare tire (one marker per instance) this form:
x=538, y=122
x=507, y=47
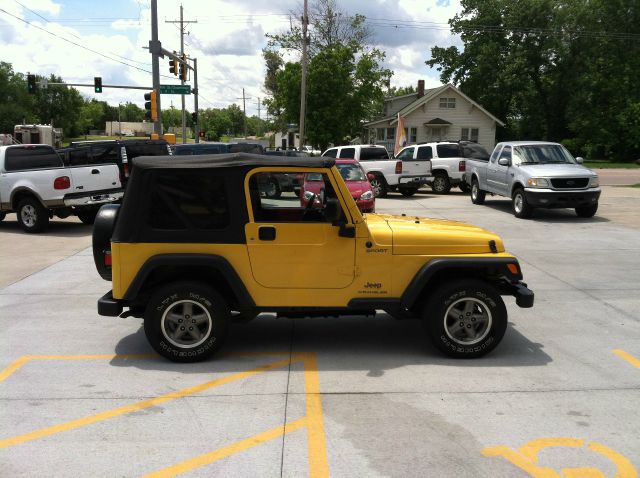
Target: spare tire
x=102, y=231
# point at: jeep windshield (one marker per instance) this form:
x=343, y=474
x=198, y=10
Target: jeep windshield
x=542, y=154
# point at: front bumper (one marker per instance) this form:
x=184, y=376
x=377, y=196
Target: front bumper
x=524, y=296
x=93, y=199
x=551, y=198
x=109, y=306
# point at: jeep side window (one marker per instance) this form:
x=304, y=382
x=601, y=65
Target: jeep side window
x=105, y=154
x=287, y=206
x=79, y=156
x=348, y=153
x=192, y=199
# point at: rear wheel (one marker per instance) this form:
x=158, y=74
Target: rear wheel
x=441, y=183
x=32, y=216
x=379, y=186
x=477, y=194
x=87, y=216
x=521, y=208
x=466, y=319
x=587, y=211
x=272, y=189
x=186, y=321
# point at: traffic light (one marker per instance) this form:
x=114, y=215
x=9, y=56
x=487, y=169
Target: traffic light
x=173, y=65
x=151, y=105
x=97, y=84
x=31, y=84
x=194, y=117
x=183, y=68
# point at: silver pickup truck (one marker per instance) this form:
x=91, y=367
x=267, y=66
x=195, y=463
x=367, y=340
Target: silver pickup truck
x=534, y=174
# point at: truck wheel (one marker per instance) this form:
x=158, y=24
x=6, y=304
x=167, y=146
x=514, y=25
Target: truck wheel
x=477, y=194
x=88, y=216
x=186, y=321
x=464, y=187
x=441, y=183
x=272, y=189
x=521, y=208
x=587, y=211
x=32, y=216
x=379, y=186
x=466, y=319
x=408, y=192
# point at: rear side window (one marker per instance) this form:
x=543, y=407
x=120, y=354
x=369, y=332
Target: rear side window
x=146, y=149
x=105, y=154
x=448, y=151
x=31, y=157
x=189, y=200
x=79, y=156
x=424, y=152
x=330, y=153
x=347, y=153
x=372, y=154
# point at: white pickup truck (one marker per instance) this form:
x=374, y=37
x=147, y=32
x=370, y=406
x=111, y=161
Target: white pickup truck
x=36, y=185
x=535, y=174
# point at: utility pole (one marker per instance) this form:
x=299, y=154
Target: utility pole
x=155, y=48
x=244, y=110
x=303, y=82
x=196, y=126
x=182, y=22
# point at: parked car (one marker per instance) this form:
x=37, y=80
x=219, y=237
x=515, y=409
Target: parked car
x=37, y=184
x=535, y=174
x=118, y=151
x=216, y=148
x=310, y=150
x=448, y=162
x=404, y=175
x=354, y=177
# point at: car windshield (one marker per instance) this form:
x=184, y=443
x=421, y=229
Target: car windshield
x=542, y=154
x=351, y=172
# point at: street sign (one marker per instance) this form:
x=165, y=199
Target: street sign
x=175, y=89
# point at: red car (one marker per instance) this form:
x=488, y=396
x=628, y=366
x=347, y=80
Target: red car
x=355, y=178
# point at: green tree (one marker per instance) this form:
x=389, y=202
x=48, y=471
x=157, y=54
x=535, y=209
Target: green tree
x=16, y=104
x=61, y=104
x=92, y=116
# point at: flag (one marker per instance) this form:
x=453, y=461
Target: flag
x=401, y=136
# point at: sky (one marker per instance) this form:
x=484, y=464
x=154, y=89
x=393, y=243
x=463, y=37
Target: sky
x=78, y=40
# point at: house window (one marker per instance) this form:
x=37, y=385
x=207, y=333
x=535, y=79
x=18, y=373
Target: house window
x=380, y=134
x=469, y=134
x=391, y=133
x=413, y=135
x=447, y=102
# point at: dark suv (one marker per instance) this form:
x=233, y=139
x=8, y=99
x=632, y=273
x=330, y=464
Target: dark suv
x=118, y=151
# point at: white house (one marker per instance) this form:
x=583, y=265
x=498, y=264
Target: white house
x=436, y=114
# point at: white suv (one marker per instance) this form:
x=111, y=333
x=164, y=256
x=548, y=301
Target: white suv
x=405, y=175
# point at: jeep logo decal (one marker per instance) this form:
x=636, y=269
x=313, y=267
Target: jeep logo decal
x=373, y=285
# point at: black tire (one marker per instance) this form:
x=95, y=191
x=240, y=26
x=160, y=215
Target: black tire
x=88, y=216
x=32, y=216
x=477, y=194
x=464, y=187
x=101, y=237
x=2, y=216
x=465, y=319
x=521, y=208
x=441, y=183
x=272, y=189
x=174, y=305
x=587, y=211
x=379, y=186
x=408, y=192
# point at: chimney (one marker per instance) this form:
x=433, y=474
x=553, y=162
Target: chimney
x=420, y=88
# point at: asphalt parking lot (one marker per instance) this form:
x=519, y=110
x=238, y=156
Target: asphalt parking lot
x=83, y=395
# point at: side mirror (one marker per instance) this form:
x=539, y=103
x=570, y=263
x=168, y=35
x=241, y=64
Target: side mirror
x=504, y=162
x=579, y=159
x=332, y=210
x=371, y=176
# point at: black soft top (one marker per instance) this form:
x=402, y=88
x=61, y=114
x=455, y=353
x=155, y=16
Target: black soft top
x=232, y=160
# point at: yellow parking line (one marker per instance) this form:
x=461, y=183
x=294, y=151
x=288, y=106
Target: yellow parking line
x=627, y=357
x=137, y=406
x=7, y=372
x=229, y=450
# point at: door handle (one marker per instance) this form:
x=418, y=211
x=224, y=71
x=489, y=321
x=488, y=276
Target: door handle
x=95, y=171
x=267, y=233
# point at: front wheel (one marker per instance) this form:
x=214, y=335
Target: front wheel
x=379, y=186
x=32, y=216
x=477, y=194
x=186, y=321
x=441, y=184
x=587, y=211
x=521, y=208
x=466, y=319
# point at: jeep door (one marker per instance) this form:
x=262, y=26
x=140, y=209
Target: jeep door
x=291, y=242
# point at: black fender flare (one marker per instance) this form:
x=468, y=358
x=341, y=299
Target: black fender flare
x=212, y=261
x=497, y=265
x=23, y=191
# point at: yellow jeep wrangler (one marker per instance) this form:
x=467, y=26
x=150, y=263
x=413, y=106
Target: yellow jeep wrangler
x=197, y=243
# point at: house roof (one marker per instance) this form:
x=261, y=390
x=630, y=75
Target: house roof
x=432, y=93
x=437, y=121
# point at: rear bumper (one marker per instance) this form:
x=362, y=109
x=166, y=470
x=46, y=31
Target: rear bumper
x=102, y=197
x=557, y=199
x=413, y=180
x=108, y=306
